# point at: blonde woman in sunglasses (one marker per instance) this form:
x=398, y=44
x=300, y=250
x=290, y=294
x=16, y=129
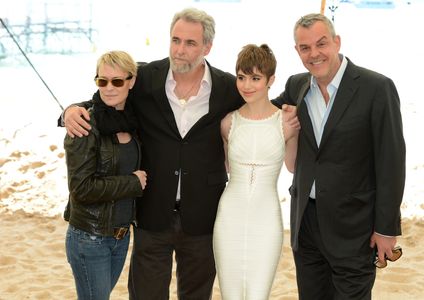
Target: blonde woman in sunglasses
x=104, y=180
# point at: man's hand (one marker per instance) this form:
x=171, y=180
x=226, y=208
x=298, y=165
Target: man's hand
x=75, y=121
x=384, y=244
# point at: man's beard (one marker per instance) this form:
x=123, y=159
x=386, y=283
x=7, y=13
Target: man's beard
x=187, y=67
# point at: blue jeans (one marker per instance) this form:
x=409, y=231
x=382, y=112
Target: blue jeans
x=96, y=262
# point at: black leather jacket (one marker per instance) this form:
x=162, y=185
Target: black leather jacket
x=93, y=183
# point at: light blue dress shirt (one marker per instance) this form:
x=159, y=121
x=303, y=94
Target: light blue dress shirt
x=318, y=109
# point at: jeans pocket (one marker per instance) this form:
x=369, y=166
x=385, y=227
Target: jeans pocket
x=90, y=239
x=84, y=237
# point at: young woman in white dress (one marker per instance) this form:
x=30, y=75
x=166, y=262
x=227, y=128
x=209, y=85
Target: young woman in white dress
x=258, y=138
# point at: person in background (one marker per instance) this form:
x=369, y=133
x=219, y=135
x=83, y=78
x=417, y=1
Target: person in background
x=350, y=168
x=248, y=232
x=104, y=179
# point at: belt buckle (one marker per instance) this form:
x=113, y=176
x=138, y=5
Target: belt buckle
x=120, y=233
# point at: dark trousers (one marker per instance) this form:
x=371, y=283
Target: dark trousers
x=151, y=264
x=321, y=275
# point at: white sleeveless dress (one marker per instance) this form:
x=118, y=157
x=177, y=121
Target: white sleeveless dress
x=248, y=232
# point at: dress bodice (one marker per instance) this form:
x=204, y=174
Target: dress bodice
x=256, y=146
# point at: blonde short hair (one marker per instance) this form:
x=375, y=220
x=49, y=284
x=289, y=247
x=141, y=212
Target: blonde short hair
x=120, y=59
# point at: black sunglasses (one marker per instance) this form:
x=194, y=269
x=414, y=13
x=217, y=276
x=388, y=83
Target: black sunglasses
x=397, y=253
x=116, y=82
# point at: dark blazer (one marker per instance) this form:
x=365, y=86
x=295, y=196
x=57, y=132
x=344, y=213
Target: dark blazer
x=199, y=155
x=359, y=167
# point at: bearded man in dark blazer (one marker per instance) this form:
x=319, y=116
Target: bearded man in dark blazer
x=350, y=170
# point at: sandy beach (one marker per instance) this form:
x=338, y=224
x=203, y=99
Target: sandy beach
x=33, y=264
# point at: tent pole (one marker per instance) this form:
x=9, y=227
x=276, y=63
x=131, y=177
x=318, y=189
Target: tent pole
x=322, y=7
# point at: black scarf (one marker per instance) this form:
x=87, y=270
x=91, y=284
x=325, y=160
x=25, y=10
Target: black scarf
x=109, y=120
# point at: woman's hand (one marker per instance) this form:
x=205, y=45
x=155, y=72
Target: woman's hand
x=142, y=176
x=291, y=123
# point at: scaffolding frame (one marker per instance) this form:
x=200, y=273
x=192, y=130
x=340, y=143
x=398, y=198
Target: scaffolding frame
x=49, y=32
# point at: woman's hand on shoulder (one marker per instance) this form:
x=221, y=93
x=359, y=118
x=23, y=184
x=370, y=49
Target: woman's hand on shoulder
x=291, y=124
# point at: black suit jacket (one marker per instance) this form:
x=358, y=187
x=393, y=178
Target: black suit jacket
x=359, y=167
x=199, y=155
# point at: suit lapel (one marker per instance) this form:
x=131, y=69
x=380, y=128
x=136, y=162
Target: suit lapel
x=302, y=110
x=343, y=98
x=159, y=94
x=217, y=94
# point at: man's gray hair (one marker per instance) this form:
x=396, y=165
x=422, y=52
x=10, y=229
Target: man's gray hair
x=310, y=19
x=197, y=16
